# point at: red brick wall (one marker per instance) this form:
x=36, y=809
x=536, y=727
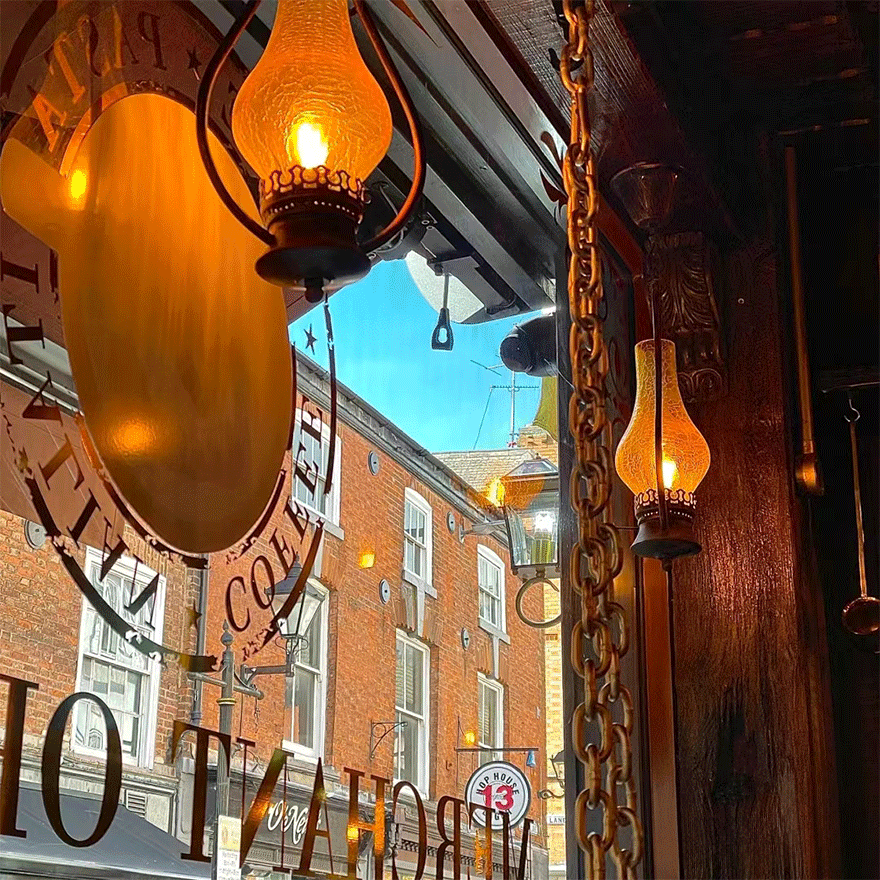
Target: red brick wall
x=40, y=616
x=362, y=640
x=40, y=610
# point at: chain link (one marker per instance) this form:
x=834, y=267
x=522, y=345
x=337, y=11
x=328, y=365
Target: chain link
x=601, y=637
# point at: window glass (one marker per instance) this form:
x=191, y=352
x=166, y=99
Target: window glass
x=113, y=669
x=309, y=697
x=491, y=696
x=490, y=577
x=416, y=541
x=312, y=456
x=410, y=753
x=421, y=439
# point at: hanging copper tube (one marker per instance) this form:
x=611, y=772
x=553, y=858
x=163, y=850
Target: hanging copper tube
x=662, y=503
x=807, y=472
x=861, y=616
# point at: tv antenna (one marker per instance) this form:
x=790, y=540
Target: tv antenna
x=512, y=388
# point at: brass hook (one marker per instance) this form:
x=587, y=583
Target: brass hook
x=852, y=409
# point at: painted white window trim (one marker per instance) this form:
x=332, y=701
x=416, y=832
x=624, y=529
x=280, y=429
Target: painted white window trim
x=483, y=681
x=423, y=782
x=302, y=753
x=332, y=518
x=412, y=497
x=126, y=566
x=494, y=559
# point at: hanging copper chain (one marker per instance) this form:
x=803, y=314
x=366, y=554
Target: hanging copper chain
x=603, y=722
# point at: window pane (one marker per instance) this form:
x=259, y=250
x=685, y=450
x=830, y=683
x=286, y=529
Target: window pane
x=128, y=729
x=492, y=717
x=490, y=722
x=313, y=460
x=116, y=695
x=304, y=719
x=311, y=648
x=95, y=732
x=100, y=679
x=401, y=673
x=415, y=521
x=407, y=749
x=489, y=608
x=414, y=676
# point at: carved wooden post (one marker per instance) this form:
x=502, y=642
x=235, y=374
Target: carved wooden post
x=755, y=765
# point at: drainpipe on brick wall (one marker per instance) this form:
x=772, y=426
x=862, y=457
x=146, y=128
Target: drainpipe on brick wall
x=201, y=627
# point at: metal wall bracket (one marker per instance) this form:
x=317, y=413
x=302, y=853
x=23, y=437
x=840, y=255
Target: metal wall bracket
x=680, y=264
x=386, y=727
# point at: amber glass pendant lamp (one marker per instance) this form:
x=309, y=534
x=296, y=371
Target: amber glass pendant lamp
x=662, y=457
x=313, y=123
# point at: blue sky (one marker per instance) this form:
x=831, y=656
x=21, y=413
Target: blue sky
x=382, y=328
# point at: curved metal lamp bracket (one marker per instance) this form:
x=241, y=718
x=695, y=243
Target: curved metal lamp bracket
x=203, y=101
x=537, y=624
x=415, y=130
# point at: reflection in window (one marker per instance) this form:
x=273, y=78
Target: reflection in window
x=417, y=537
x=491, y=696
x=113, y=669
x=310, y=471
x=411, y=742
x=490, y=578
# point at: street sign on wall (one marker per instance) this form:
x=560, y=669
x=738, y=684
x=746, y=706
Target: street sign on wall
x=503, y=787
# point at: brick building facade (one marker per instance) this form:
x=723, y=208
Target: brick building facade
x=482, y=469
x=372, y=613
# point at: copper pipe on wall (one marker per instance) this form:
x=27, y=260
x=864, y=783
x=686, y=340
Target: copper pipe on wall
x=807, y=473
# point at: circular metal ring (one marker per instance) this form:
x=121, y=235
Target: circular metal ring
x=537, y=624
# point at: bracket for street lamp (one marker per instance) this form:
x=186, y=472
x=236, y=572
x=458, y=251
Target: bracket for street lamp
x=386, y=727
x=292, y=641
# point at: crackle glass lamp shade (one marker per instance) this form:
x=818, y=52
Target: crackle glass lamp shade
x=312, y=121
x=684, y=461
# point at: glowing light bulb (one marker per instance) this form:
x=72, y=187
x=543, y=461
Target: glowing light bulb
x=307, y=146
x=470, y=738
x=78, y=184
x=544, y=522
x=670, y=471
x=495, y=492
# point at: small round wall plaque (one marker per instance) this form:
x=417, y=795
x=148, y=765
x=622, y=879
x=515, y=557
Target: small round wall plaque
x=465, y=638
x=384, y=591
x=450, y=522
x=373, y=463
x=34, y=534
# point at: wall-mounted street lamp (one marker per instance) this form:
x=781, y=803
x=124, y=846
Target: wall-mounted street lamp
x=531, y=513
x=558, y=762
x=313, y=123
x=291, y=630
x=529, y=499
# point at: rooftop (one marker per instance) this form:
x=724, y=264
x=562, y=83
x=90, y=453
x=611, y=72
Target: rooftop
x=478, y=467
